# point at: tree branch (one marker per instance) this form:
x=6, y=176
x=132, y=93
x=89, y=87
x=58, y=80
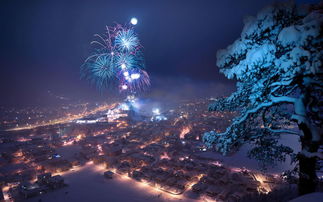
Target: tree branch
x=282, y=131
x=275, y=100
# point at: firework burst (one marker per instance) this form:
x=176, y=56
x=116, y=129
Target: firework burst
x=99, y=70
x=117, y=59
x=126, y=40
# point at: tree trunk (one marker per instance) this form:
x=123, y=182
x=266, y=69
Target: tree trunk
x=307, y=166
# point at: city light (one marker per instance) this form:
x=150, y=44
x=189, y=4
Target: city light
x=124, y=106
x=66, y=119
x=124, y=130
x=156, y=111
x=184, y=131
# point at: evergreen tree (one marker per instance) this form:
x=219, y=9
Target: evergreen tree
x=277, y=62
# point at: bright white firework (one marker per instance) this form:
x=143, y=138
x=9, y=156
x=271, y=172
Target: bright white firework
x=133, y=21
x=124, y=87
x=135, y=76
x=126, y=74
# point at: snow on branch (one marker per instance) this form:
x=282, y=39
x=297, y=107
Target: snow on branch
x=282, y=131
x=277, y=61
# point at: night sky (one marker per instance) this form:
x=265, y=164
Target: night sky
x=44, y=43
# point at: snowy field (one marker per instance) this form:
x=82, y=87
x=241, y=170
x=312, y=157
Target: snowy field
x=88, y=184
x=240, y=159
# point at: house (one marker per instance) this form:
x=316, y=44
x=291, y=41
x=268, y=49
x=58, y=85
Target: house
x=28, y=190
x=44, y=178
x=199, y=187
x=113, y=150
x=108, y=174
x=56, y=182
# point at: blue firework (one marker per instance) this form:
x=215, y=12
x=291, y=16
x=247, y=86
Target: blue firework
x=103, y=67
x=128, y=60
x=125, y=61
x=99, y=70
x=126, y=40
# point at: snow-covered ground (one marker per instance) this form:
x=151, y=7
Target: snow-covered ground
x=240, y=158
x=314, y=197
x=88, y=184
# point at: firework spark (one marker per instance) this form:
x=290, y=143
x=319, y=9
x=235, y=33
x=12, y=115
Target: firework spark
x=126, y=40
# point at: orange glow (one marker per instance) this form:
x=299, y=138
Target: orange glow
x=164, y=156
x=22, y=139
x=156, y=140
x=237, y=170
x=67, y=118
x=18, y=153
x=79, y=137
x=184, y=131
x=153, y=189
x=99, y=147
x=190, y=184
x=67, y=143
x=263, y=187
x=5, y=191
x=217, y=163
x=207, y=199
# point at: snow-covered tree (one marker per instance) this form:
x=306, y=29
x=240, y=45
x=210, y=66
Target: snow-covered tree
x=277, y=63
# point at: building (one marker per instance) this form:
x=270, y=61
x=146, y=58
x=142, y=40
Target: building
x=108, y=174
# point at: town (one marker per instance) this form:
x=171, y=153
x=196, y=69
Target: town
x=164, y=151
